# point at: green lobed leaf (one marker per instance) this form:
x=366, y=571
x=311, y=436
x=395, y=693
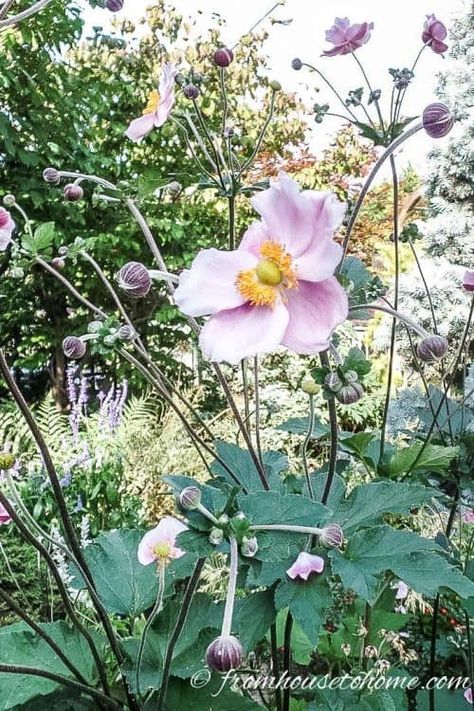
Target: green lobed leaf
x=241, y=464
x=299, y=425
x=434, y=458
x=308, y=602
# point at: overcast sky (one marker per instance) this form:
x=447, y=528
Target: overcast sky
x=395, y=41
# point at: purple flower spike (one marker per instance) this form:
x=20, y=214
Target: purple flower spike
x=346, y=38
x=434, y=32
x=304, y=565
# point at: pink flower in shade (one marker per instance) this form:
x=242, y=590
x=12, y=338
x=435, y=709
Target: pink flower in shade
x=402, y=590
x=468, y=516
x=468, y=696
x=5, y=517
x=6, y=228
x=434, y=32
x=345, y=37
x=468, y=281
x=159, y=544
x=278, y=287
x=304, y=565
x=158, y=108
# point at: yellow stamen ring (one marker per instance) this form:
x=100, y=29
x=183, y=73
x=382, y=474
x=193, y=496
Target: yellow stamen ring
x=153, y=103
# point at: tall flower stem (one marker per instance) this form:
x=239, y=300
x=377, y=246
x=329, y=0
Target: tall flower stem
x=334, y=437
x=369, y=86
x=394, y=313
x=287, y=659
x=257, y=410
x=260, y=138
x=290, y=528
x=425, y=284
x=304, y=453
x=231, y=201
x=333, y=89
x=275, y=664
x=156, y=610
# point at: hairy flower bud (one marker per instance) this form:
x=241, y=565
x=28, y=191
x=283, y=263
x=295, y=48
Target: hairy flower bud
x=331, y=536
x=135, y=279
x=174, y=188
x=74, y=348
x=296, y=64
x=94, y=326
x=9, y=200
x=350, y=393
x=114, y=5
x=224, y=654
x=432, y=348
x=309, y=386
x=350, y=376
x=275, y=85
x=126, y=333
x=437, y=120
x=58, y=263
x=191, y=91
x=333, y=382
x=216, y=536
x=223, y=57
x=190, y=498
x=249, y=547
x=7, y=460
x=73, y=193
x=51, y=175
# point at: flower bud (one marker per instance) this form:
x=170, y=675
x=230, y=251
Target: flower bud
x=94, y=326
x=296, y=64
x=190, y=498
x=437, y=120
x=74, y=348
x=224, y=519
x=126, y=333
x=73, y=193
x=135, y=279
x=432, y=348
x=350, y=394
x=216, y=536
x=109, y=340
x=174, y=188
x=331, y=536
x=7, y=460
x=223, y=57
x=350, y=376
x=9, y=200
x=333, y=382
x=114, y=5
x=51, y=175
x=191, y=91
x=249, y=547
x=63, y=250
x=58, y=263
x=309, y=386
x=275, y=85
x=229, y=132
x=224, y=654
x=468, y=281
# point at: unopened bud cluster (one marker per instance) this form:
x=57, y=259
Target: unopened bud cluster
x=345, y=386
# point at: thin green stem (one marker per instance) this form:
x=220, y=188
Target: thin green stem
x=334, y=437
x=287, y=659
x=305, y=447
x=156, y=610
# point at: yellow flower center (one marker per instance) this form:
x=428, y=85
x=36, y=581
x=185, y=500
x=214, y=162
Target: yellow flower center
x=162, y=550
x=153, y=102
x=270, y=278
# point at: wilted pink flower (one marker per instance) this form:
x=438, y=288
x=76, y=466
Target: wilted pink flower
x=468, y=696
x=468, y=281
x=304, y=565
x=6, y=228
x=468, y=516
x=158, y=108
x=5, y=517
x=345, y=37
x=434, y=32
x=277, y=288
x=159, y=544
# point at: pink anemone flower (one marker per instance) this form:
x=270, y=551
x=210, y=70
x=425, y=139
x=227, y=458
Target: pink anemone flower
x=304, y=565
x=346, y=38
x=468, y=696
x=278, y=287
x=468, y=516
x=434, y=32
x=158, y=108
x=5, y=517
x=6, y=228
x=160, y=543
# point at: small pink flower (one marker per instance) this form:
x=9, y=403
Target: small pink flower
x=468, y=516
x=159, y=544
x=5, y=517
x=468, y=281
x=158, y=108
x=468, y=696
x=6, y=228
x=434, y=32
x=401, y=588
x=346, y=38
x=278, y=287
x=304, y=565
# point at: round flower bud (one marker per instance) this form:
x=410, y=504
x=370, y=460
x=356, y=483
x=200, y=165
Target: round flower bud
x=229, y=132
x=114, y=5
x=109, y=340
x=58, y=263
x=350, y=376
x=126, y=333
x=190, y=498
x=309, y=386
x=7, y=460
x=333, y=382
x=191, y=91
x=331, y=536
x=224, y=654
x=468, y=280
x=296, y=64
x=432, y=348
x=224, y=519
x=249, y=547
x=437, y=120
x=51, y=175
x=275, y=85
x=74, y=348
x=73, y=193
x=216, y=536
x=135, y=279
x=174, y=188
x=94, y=326
x=350, y=394
x=240, y=516
x=9, y=200
x=63, y=250
x=223, y=57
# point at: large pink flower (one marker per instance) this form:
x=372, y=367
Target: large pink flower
x=4, y=516
x=304, y=565
x=6, y=228
x=158, y=108
x=278, y=287
x=159, y=544
x=434, y=32
x=345, y=37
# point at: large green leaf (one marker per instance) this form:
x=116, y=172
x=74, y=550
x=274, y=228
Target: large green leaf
x=252, y=617
x=433, y=458
x=213, y=695
x=301, y=647
x=299, y=425
x=241, y=464
x=308, y=602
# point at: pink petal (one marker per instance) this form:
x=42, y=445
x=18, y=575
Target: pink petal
x=166, y=86
x=337, y=33
x=140, y=127
x=5, y=517
x=319, y=261
x=209, y=286
x=166, y=532
x=245, y=331
x=468, y=696
x=468, y=516
x=438, y=47
x=304, y=565
x=163, y=111
x=315, y=310
x=254, y=237
x=402, y=590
